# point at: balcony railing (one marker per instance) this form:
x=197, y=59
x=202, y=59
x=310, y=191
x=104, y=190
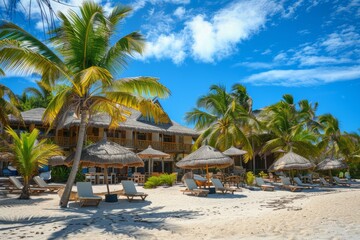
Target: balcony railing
x=68, y=142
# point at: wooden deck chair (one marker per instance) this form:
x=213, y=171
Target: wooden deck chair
x=18, y=186
x=287, y=185
x=305, y=185
x=51, y=187
x=192, y=188
x=86, y=196
x=219, y=187
x=341, y=183
x=324, y=183
x=130, y=191
x=260, y=182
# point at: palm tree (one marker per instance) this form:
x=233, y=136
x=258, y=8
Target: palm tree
x=29, y=155
x=220, y=115
x=87, y=62
x=42, y=94
x=8, y=105
x=287, y=129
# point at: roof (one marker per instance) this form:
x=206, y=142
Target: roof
x=30, y=116
x=134, y=122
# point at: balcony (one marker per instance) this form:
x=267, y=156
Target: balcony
x=67, y=142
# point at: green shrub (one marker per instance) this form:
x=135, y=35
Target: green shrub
x=163, y=179
x=250, y=177
x=61, y=174
x=152, y=182
x=263, y=175
x=167, y=179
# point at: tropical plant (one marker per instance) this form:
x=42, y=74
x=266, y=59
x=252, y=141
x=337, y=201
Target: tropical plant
x=87, y=62
x=152, y=182
x=220, y=116
x=163, y=179
x=36, y=97
x=29, y=155
x=8, y=105
x=287, y=129
x=250, y=178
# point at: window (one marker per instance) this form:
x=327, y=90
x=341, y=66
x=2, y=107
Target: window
x=141, y=136
x=169, y=138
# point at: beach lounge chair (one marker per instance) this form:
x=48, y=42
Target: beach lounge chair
x=51, y=187
x=130, y=191
x=341, y=183
x=300, y=183
x=86, y=196
x=260, y=182
x=324, y=183
x=287, y=185
x=18, y=186
x=219, y=187
x=192, y=188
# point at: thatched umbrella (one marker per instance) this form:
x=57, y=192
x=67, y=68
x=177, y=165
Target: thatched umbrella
x=205, y=157
x=56, y=161
x=107, y=154
x=150, y=153
x=291, y=161
x=233, y=151
x=331, y=164
x=6, y=156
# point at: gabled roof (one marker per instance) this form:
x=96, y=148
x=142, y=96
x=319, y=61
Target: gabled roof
x=134, y=122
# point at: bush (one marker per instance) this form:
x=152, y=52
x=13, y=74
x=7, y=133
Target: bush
x=263, y=175
x=250, y=177
x=163, y=179
x=61, y=174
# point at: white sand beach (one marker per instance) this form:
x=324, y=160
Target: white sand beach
x=312, y=214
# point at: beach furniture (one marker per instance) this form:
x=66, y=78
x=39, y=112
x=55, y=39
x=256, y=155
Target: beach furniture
x=200, y=181
x=300, y=183
x=130, y=191
x=51, y=187
x=86, y=196
x=341, y=183
x=260, y=182
x=19, y=186
x=219, y=187
x=324, y=183
x=192, y=188
x=287, y=185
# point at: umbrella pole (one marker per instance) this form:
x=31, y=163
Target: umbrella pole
x=106, y=179
x=162, y=165
x=330, y=175
x=207, y=173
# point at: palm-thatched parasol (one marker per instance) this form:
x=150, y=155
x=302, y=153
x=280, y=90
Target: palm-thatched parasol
x=6, y=156
x=107, y=154
x=150, y=153
x=207, y=157
x=233, y=151
x=331, y=164
x=56, y=161
x=291, y=161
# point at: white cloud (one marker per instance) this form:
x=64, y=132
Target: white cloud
x=166, y=47
x=266, y=52
x=290, y=11
x=336, y=41
x=139, y=4
x=179, y=12
x=304, y=77
x=255, y=65
x=216, y=38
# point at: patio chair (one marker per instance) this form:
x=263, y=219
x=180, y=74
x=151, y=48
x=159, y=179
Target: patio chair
x=219, y=187
x=287, y=185
x=341, y=183
x=192, y=188
x=300, y=183
x=324, y=183
x=260, y=182
x=130, y=191
x=19, y=186
x=51, y=187
x=86, y=196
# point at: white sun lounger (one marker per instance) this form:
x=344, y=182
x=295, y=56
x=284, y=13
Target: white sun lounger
x=86, y=196
x=192, y=188
x=260, y=182
x=130, y=191
x=220, y=187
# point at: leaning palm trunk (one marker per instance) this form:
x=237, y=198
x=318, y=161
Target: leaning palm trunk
x=25, y=193
x=66, y=195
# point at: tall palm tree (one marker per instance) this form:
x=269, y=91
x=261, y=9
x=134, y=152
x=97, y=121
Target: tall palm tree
x=29, y=155
x=8, y=105
x=220, y=115
x=87, y=61
x=42, y=94
x=287, y=129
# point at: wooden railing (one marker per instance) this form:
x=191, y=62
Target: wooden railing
x=68, y=142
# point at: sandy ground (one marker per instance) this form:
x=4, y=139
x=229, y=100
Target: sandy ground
x=168, y=214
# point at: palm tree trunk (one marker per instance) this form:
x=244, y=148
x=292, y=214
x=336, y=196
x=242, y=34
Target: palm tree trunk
x=80, y=142
x=25, y=193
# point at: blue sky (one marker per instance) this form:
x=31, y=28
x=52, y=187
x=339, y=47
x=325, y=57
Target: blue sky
x=309, y=49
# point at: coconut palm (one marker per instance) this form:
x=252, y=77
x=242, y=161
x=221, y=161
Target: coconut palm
x=29, y=155
x=87, y=62
x=8, y=105
x=220, y=115
x=287, y=129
